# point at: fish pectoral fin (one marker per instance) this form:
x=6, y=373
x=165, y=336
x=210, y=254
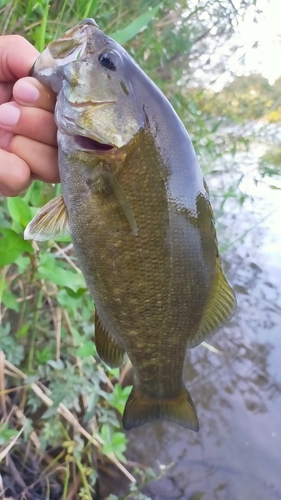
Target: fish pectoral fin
x=140, y=409
x=219, y=310
x=50, y=222
x=123, y=202
x=107, y=348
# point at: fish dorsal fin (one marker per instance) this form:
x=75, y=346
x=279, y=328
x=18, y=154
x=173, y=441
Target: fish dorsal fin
x=220, y=308
x=50, y=222
x=121, y=199
x=107, y=348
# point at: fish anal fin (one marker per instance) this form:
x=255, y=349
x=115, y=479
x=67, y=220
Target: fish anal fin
x=107, y=348
x=220, y=308
x=50, y=222
x=140, y=410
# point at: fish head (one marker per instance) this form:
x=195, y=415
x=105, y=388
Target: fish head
x=90, y=72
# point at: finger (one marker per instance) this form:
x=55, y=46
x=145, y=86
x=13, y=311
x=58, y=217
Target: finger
x=6, y=91
x=30, y=92
x=17, y=56
x=41, y=158
x=37, y=124
x=15, y=175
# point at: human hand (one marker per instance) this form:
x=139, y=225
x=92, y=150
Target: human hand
x=28, y=144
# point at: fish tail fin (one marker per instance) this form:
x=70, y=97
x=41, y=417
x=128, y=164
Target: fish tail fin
x=141, y=409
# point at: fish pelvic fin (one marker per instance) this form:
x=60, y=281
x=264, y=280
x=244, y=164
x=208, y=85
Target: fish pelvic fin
x=220, y=308
x=107, y=348
x=121, y=200
x=50, y=222
x=141, y=409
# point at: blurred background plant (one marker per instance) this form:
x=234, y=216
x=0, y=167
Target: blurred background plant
x=60, y=406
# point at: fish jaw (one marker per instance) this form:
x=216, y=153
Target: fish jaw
x=101, y=122
x=70, y=47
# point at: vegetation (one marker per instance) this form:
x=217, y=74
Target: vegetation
x=60, y=406
x=245, y=98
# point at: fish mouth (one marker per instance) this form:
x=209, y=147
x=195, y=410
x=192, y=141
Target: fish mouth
x=92, y=145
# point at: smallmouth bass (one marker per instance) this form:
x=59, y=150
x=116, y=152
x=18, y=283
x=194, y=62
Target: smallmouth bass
x=137, y=207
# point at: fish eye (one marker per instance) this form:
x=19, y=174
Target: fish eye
x=106, y=60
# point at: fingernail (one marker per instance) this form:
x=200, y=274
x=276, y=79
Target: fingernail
x=9, y=115
x=5, y=140
x=26, y=92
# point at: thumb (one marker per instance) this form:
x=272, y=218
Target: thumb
x=17, y=56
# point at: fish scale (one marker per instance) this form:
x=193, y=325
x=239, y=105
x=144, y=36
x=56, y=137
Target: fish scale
x=137, y=207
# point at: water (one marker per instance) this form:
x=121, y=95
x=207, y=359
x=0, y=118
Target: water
x=236, y=455
x=237, y=391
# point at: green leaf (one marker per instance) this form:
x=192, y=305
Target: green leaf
x=56, y=364
x=11, y=246
x=19, y=211
x=13, y=352
x=51, y=270
x=9, y=300
x=119, y=396
x=126, y=34
x=67, y=302
x=87, y=349
x=37, y=195
x=6, y=434
x=22, y=332
x=43, y=355
x=5, y=330
x=76, y=295
x=52, y=410
x=192, y=107
x=91, y=8
x=113, y=442
x=22, y=263
x=114, y=371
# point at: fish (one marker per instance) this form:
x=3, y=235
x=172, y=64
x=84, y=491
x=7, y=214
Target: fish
x=137, y=207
